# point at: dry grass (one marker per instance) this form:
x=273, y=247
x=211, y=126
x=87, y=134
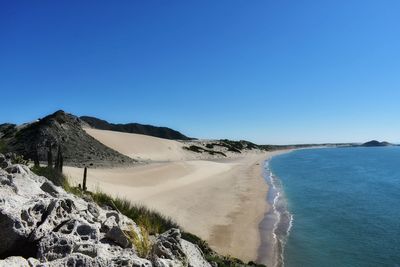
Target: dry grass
x=141, y=243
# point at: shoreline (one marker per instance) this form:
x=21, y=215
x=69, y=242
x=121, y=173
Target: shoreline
x=268, y=250
x=276, y=225
x=278, y=222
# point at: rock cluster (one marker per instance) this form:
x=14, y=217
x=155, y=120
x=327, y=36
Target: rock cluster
x=42, y=225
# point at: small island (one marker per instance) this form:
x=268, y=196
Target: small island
x=375, y=143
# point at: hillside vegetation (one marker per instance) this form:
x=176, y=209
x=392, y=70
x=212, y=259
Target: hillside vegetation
x=137, y=128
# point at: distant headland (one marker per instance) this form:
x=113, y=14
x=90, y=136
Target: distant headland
x=374, y=143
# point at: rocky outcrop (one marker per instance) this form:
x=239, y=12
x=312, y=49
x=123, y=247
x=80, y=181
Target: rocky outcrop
x=42, y=225
x=59, y=129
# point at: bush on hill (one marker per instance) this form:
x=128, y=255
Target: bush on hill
x=198, y=149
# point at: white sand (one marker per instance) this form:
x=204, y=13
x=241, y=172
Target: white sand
x=221, y=201
x=138, y=146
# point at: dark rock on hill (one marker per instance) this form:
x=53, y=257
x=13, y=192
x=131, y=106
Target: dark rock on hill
x=62, y=129
x=375, y=143
x=162, y=132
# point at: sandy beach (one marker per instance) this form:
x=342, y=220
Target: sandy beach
x=222, y=201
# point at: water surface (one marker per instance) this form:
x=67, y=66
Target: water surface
x=345, y=204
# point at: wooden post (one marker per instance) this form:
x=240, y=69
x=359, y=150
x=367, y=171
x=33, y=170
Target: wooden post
x=84, y=179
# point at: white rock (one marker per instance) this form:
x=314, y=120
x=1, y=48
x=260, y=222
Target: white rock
x=14, y=262
x=55, y=228
x=194, y=254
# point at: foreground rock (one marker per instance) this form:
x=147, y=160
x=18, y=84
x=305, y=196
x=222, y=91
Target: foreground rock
x=42, y=225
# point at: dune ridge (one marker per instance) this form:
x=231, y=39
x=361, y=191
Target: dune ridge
x=139, y=146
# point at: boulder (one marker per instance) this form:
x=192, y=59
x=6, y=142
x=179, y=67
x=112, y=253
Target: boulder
x=50, y=188
x=19, y=261
x=168, y=245
x=171, y=250
x=14, y=261
x=194, y=255
x=118, y=236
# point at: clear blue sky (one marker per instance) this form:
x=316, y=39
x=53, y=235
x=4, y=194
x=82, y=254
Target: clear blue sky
x=267, y=71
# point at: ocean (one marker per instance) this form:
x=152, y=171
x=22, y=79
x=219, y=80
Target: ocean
x=337, y=206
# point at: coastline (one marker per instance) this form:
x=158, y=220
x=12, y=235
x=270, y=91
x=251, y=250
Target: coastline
x=269, y=249
x=277, y=222
x=222, y=201
x=312, y=174
x=229, y=238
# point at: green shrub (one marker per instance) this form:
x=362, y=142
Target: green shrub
x=142, y=244
x=234, y=149
x=193, y=148
x=210, y=146
x=198, y=149
x=237, y=146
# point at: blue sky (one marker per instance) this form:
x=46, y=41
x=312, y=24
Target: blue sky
x=266, y=71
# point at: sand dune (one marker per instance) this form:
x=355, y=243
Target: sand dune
x=138, y=146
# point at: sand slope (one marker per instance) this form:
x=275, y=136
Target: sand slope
x=138, y=146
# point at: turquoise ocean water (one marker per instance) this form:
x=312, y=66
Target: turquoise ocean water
x=338, y=206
